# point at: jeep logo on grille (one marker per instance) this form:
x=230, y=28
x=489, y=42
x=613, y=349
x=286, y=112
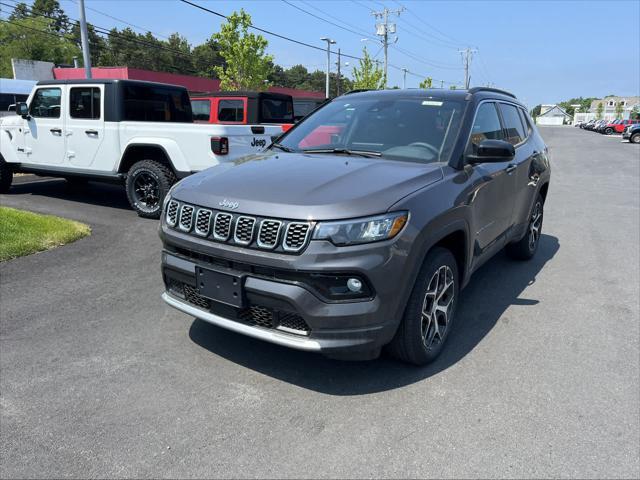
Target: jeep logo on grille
x=227, y=204
x=258, y=142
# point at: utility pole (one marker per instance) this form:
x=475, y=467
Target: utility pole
x=467, y=55
x=329, y=43
x=84, y=36
x=441, y=83
x=338, y=77
x=383, y=30
x=404, y=78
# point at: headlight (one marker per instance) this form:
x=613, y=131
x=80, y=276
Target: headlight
x=361, y=230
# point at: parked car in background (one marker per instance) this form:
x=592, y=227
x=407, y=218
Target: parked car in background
x=304, y=106
x=632, y=132
x=343, y=244
x=590, y=125
x=244, y=108
x=137, y=133
x=617, y=126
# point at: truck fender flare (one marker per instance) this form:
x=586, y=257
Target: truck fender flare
x=170, y=148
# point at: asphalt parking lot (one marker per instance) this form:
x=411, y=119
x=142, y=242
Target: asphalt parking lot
x=541, y=376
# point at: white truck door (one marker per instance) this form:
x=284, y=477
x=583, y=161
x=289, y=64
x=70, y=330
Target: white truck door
x=44, y=130
x=84, y=124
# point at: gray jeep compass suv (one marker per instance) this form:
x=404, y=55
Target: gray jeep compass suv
x=359, y=227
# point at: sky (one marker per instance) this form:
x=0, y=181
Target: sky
x=543, y=51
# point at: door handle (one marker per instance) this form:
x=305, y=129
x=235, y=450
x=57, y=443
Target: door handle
x=510, y=168
x=55, y=131
x=91, y=132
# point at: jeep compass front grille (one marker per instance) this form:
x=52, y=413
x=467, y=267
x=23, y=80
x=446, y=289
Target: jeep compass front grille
x=222, y=227
x=281, y=236
x=186, y=218
x=203, y=222
x=172, y=213
x=296, y=236
x=244, y=230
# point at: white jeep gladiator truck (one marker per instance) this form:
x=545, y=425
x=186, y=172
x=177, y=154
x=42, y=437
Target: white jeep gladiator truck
x=137, y=133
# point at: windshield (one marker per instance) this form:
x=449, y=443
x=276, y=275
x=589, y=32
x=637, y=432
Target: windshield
x=411, y=128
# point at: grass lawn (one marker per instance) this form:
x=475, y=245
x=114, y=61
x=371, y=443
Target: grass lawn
x=23, y=233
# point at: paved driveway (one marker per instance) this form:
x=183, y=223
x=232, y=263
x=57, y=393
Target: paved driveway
x=540, y=378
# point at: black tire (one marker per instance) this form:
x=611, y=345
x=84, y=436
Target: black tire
x=608, y=131
x=6, y=176
x=527, y=246
x=416, y=339
x=635, y=138
x=148, y=182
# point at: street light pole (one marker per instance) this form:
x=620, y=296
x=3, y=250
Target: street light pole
x=84, y=36
x=404, y=78
x=329, y=43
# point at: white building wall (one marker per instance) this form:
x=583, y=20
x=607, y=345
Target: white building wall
x=32, y=69
x=549, y=120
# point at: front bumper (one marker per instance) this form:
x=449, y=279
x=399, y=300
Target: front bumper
x=331, y=327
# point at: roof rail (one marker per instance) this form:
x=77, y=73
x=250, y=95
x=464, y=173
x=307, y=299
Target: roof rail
x=489, y=89
x=357, y=90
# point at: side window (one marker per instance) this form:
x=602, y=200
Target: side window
x=486, y=125
x=84, y=103
x=201, y=110
x=231, y=111
x=46, y=103
x=525, y=121
x=512, y=124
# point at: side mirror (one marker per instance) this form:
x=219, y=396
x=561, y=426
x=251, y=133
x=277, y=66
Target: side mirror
x=22, y=109
x=492, y=151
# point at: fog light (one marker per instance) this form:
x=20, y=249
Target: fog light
x=354, y=285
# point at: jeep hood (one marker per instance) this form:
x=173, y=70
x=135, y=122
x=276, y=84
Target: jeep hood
x=306, y=186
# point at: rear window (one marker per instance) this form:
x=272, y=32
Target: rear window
x=156, y=104
x=201, y=110
x=231, y=111
x=276, y=111
x=84, y=103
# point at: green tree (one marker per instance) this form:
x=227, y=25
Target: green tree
x=21, y=10
x=247, y=65
x=453, y=87
x=619, y=109
x=599, y=110
x=368, y=74
x=535, y=111
x=635, y=113
x=206, y=57
x=585, y=104
x=26, y=38
x=426, y=83
x=51, y=9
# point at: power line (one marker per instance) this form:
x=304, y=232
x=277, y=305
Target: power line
x=325, y=20
x=445, y=36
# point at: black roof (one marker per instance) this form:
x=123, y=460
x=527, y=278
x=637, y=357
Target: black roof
x=440, y=93
x=107, y=81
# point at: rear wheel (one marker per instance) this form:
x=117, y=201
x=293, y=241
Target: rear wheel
x=429, y=313
x=635, y=138
x=148, y=182
x=608, y=131
x=527, y=246
x=6, y=176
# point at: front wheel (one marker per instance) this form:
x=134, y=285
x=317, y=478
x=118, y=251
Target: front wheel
x=608, y=131
x=527, y=246
x=6, y=176
x=148, y=182
x=635, y=138
x=429, y=314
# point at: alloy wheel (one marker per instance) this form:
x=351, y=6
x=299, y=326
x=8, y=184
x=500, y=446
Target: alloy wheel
x=437, y=306
x=146, y=191
x=535, y=226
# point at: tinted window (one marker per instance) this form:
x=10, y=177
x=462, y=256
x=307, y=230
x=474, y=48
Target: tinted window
x=84, y=102
x=276, y=111
x=201, y=109
x=525, y=121
x=45, y=103
x=231, y=111
x=512, y=124
x=156, y=104
x=7, y=99
x=486, y=125
x=402, y=128
x=302, y=108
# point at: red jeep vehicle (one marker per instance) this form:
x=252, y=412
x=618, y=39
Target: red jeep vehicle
x=243, y=108
x=617, y=126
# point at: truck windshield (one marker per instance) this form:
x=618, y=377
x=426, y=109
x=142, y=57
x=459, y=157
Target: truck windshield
x=411, y=128
x=156, y=104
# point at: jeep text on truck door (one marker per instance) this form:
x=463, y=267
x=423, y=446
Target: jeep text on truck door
x=361, y=225
x=138, y=133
